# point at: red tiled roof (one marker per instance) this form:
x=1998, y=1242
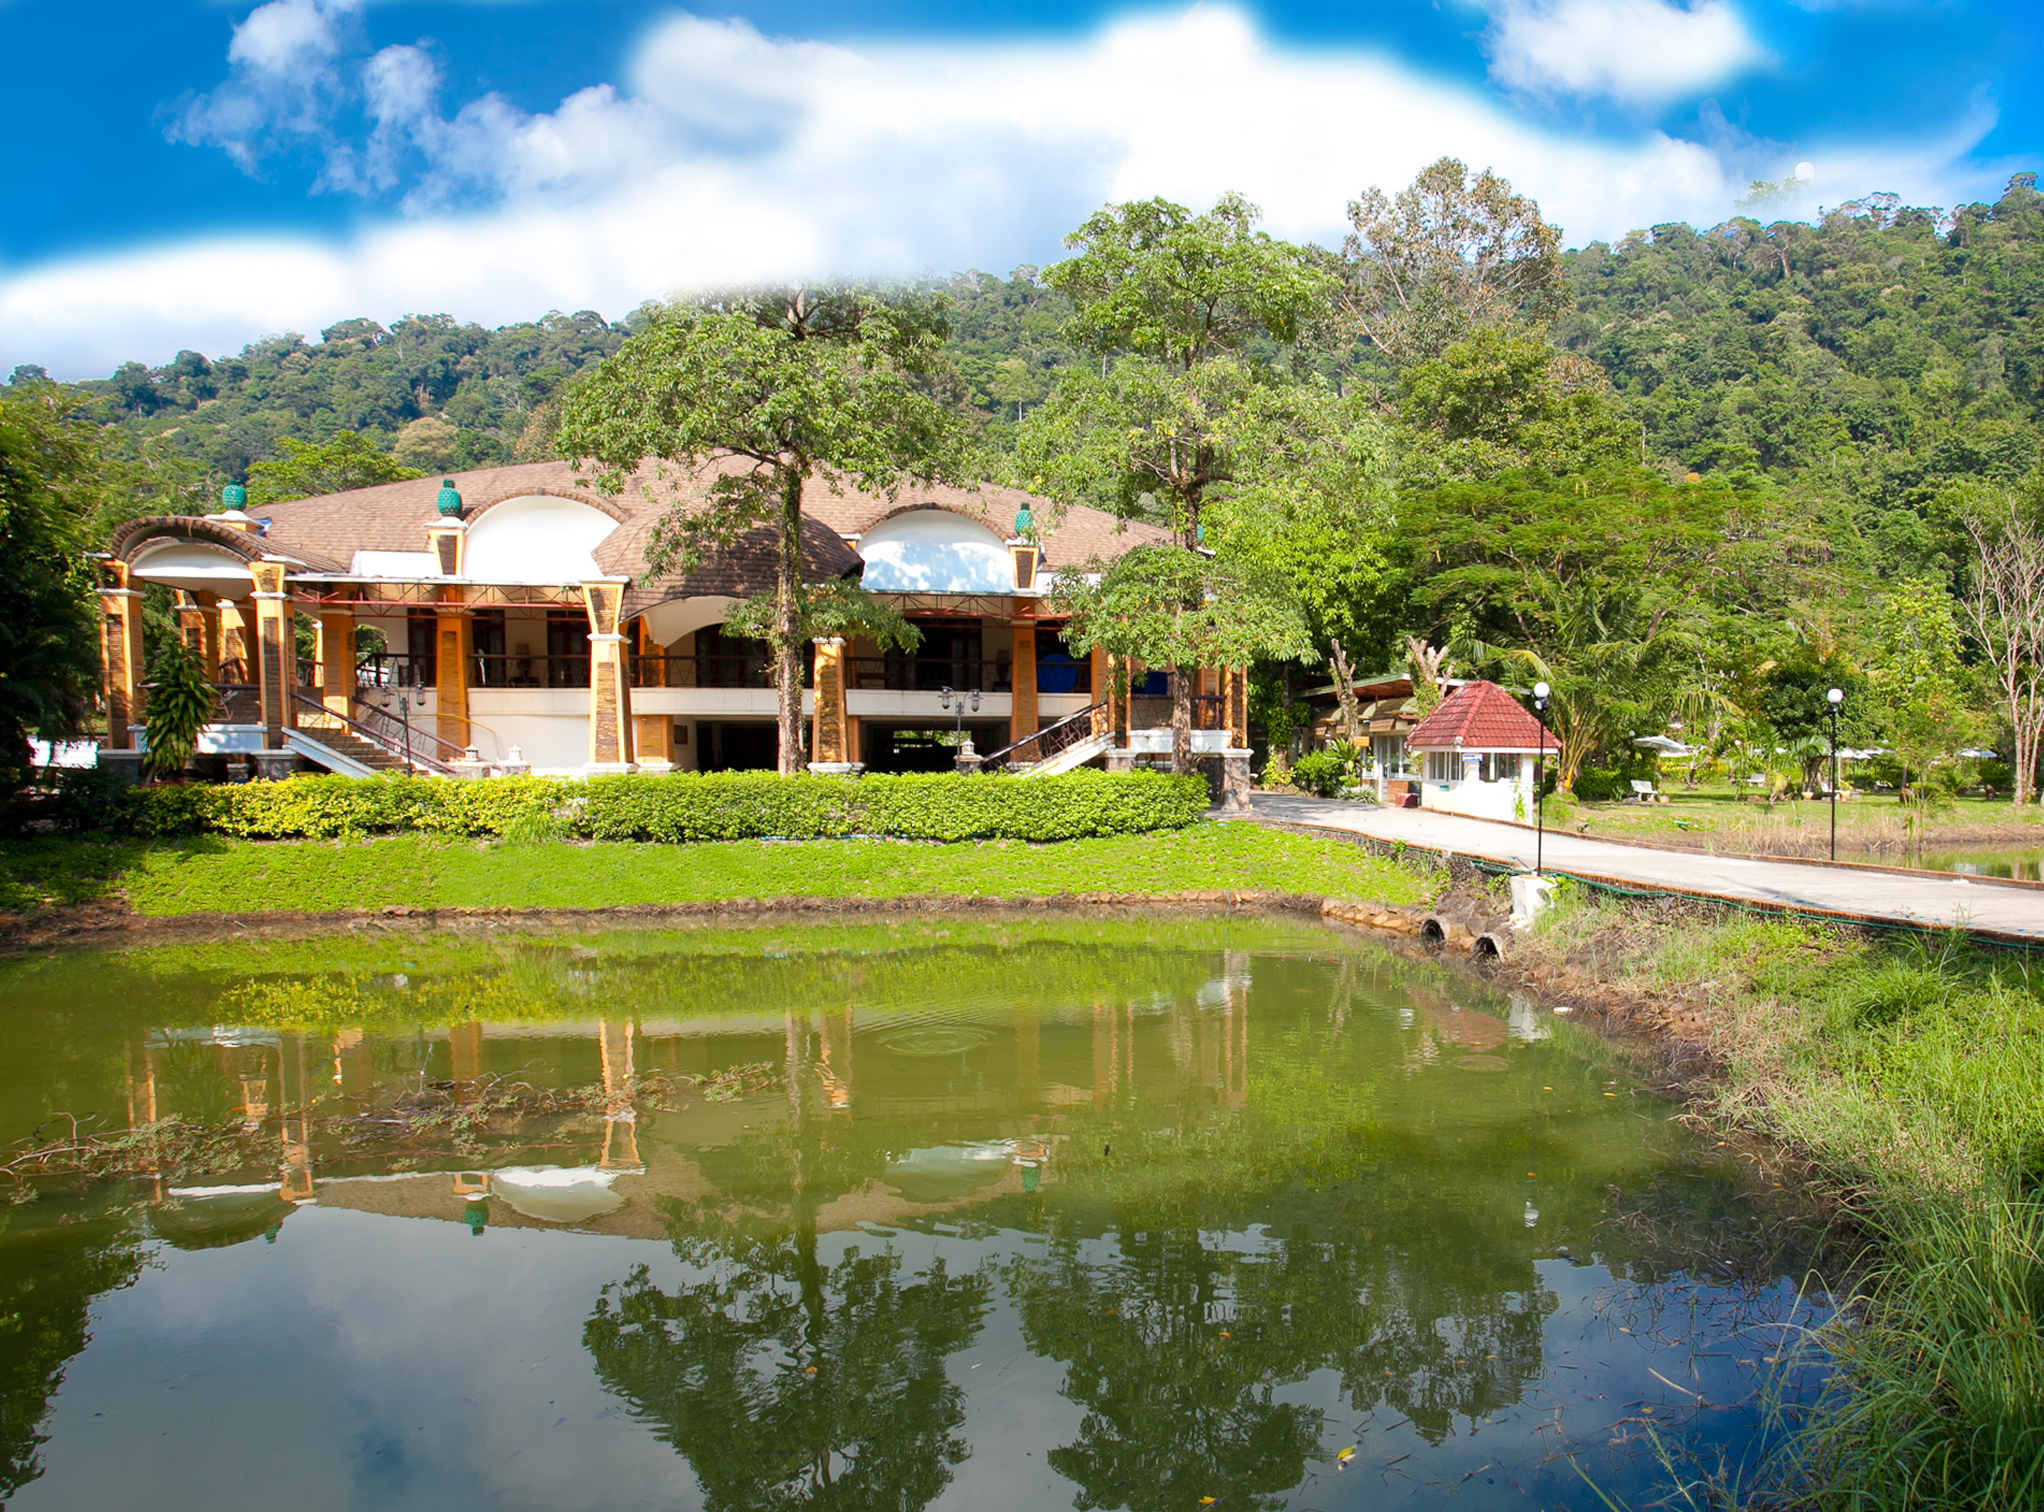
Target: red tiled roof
x=1482, y=717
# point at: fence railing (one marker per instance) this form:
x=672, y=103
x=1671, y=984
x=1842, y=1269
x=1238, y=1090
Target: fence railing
x=423, y=749
x=926, y=674
x=1048, y=741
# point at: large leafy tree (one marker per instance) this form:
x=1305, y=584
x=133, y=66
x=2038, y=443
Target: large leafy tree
x=2005, y=612
x=1446, y=256
x=49, y=648
x=1167, y=300
x=1601, y=583
x=1169, y=607
x=1312, y=505
x=796, y=384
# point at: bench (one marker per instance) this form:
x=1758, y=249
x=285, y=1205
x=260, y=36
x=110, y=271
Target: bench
x=1645, y=792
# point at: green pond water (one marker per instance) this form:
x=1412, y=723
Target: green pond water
x=962, y=1214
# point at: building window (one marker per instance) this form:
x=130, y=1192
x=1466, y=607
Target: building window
x=1499, y=766
x=1389, y=751
x=1444, y=766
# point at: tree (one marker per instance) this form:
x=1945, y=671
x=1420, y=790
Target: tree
x=1169, y=607
x=1916, y=669
x=49, y=621
x=793, y=383
x=1594, y=583
x=1167, y=300
x=1447, y=256
x=1311, y=504
x=181, y=701
x=1500, y=399
x=2005, y=611
x=306, y=469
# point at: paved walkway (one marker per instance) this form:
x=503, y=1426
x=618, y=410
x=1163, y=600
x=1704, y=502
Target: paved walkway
x=1862, y=892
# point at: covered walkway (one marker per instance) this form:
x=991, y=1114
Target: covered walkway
x=1865, y=893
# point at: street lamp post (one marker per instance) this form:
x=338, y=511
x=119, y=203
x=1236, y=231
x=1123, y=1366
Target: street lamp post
x=404, y=712
x=945, y=701
x=1540, y=695
x=1834, y=698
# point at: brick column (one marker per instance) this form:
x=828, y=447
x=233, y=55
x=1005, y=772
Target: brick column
x=237, y=640
x=610, y=692
x=120, y=661
x=652, y=734
x=336, y=654
x=830, y=739
x=1022, y=722
x=276, y=653
x=452, y=637
x=198, y=623
x=1235, y=705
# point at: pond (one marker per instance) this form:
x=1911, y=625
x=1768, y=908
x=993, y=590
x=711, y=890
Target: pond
x=2026, y=864
x=1153, y=1213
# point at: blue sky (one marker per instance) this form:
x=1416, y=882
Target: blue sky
x=197, y=174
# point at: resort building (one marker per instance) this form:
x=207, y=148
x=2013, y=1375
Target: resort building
x=1476, y=754
x=509, y=619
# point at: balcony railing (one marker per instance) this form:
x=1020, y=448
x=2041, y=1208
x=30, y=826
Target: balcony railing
x=925, y=674
x=730, y=670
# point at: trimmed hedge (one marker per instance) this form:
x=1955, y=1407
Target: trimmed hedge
x=680, y=807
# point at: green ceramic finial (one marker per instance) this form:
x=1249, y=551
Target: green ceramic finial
x=1025, y=522
x=449, y=501
x=234, y=496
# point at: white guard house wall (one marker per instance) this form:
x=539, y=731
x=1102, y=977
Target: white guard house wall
x=1454, y=784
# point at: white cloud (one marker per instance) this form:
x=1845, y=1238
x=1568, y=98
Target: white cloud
x=1635, y=51
x=728, y=156
x=283, y=81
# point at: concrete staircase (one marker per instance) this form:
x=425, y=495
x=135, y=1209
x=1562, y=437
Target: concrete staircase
x=1072, y=757
x=333, y=746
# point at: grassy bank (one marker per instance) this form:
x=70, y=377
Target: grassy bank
x=1870, y=825
x=1913, y=1082
x=217, y=875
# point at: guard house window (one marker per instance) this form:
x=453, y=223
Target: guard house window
x=1500, y=767
x=1444, y=766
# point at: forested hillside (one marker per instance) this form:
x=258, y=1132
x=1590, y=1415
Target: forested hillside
x=1878, y=354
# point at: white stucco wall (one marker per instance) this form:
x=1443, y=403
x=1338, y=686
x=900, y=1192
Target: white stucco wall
x=935, y=551
x=1510, y=801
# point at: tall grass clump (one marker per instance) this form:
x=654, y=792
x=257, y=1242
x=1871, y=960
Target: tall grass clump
x=1909, y=1076
x=1939, y=1399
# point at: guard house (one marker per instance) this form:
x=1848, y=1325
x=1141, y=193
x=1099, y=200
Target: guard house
x=506, y=619
x=1476, y=754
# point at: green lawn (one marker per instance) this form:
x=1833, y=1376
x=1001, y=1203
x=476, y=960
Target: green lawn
x=215, y=875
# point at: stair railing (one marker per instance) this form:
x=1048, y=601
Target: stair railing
x=1050, y=740
x=386, y=740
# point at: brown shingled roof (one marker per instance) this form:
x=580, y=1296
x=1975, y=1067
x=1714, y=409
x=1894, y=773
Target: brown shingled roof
x=327, y=531
x=1481, y=716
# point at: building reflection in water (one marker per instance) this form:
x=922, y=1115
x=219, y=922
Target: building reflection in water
x=1203, y=1231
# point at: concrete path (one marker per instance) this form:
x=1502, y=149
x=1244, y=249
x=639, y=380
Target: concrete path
x=1860, y=892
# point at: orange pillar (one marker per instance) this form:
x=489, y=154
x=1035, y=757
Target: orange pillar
x=1022, y=721
x=610, y=692
x=276, y=653
x=120, y=660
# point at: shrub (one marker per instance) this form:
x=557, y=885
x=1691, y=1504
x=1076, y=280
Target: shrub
x=1320, y=772
x=680, y=807
x=1600, y=785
